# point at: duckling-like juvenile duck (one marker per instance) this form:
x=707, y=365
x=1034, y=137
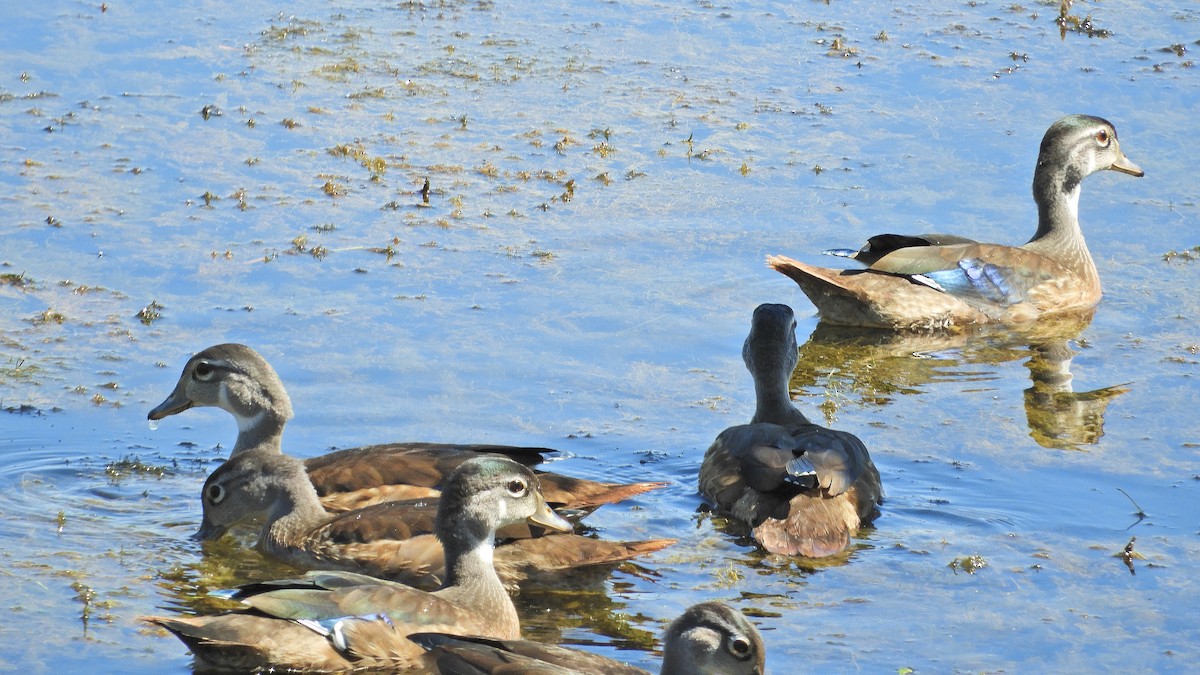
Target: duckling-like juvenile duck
x=392, y=540
x=803, y=488
x=943, y=281
x=343, y=621
x=238, y=380
x=709, y=638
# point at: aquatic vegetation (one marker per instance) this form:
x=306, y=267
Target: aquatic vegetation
x=16, y=280
x=334, y=189
x=150, y=313
x=1186, y=255
x=969, y=564
x=1069, y=22
x=132, y=465
x=86, y=595
x=47, y=317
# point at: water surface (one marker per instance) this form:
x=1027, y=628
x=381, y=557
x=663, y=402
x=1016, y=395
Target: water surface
x=605, y=180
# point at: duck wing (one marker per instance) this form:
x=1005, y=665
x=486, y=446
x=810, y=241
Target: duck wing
x=771, y=457
x=988, y=277
x=883, y=244
x=522, y=559
x=472, y=655
x=356, y=477
x=802, y=488
x=419, y=465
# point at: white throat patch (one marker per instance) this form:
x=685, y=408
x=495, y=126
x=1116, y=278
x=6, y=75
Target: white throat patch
x=244, y=422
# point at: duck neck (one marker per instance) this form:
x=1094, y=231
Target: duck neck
x=469, y=550
x=773, y=401
x=471, y=574
x=295, y=511
x=262, y=431
x=1056, y=190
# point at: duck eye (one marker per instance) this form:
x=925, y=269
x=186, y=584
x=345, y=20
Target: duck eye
x=215, y=493
x=517, y=488
x=203, y=371
x=739, y=647
x=1102, y=137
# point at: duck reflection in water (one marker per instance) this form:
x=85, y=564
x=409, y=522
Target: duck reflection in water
x=1060, y=417
x=877, y=365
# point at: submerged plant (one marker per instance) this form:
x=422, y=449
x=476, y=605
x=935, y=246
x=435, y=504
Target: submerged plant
x=150, y=313
x=969, y=564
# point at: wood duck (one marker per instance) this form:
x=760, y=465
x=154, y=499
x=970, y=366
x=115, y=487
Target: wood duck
x=343, y=621
x=237, y=379
x=944, y=281
x=392, y=540
x=802, y=488
x=708, y=639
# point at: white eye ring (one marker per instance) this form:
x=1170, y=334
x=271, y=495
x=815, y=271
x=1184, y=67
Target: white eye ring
x=517, y=487
x=215, y=493
x=203, y=371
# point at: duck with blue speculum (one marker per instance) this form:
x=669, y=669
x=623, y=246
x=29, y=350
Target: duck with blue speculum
x=339, y=621
x=940, y=281
x=709, y=638
x=393, y=540
x=237, y=379
x=802, y=488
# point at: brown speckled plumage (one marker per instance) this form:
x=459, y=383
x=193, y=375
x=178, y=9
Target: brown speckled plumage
x=237, y=379
x=393, y=540
x=933, y=282
x=338, y=621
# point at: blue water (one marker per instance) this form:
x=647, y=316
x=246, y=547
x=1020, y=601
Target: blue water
x=605, y=320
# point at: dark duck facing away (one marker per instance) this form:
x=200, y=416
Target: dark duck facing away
x=941, y=281
x=804, y=489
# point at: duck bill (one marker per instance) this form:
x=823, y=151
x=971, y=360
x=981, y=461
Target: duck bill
x=546, y=517
x=176, y=403
x=1125, y=166
x=208, y=531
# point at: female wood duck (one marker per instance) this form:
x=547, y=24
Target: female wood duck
x=943, y=281
x=393, y=540
x=708, y=639
x=237, y=379
x=803, y=488
x=342, y=621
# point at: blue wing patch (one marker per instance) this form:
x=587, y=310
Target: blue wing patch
x=841, y=252
x=974, y=279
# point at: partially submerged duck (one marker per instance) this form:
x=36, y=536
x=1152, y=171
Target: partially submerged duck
x=709, y=638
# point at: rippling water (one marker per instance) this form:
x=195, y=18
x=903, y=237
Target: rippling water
x=605, y=179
